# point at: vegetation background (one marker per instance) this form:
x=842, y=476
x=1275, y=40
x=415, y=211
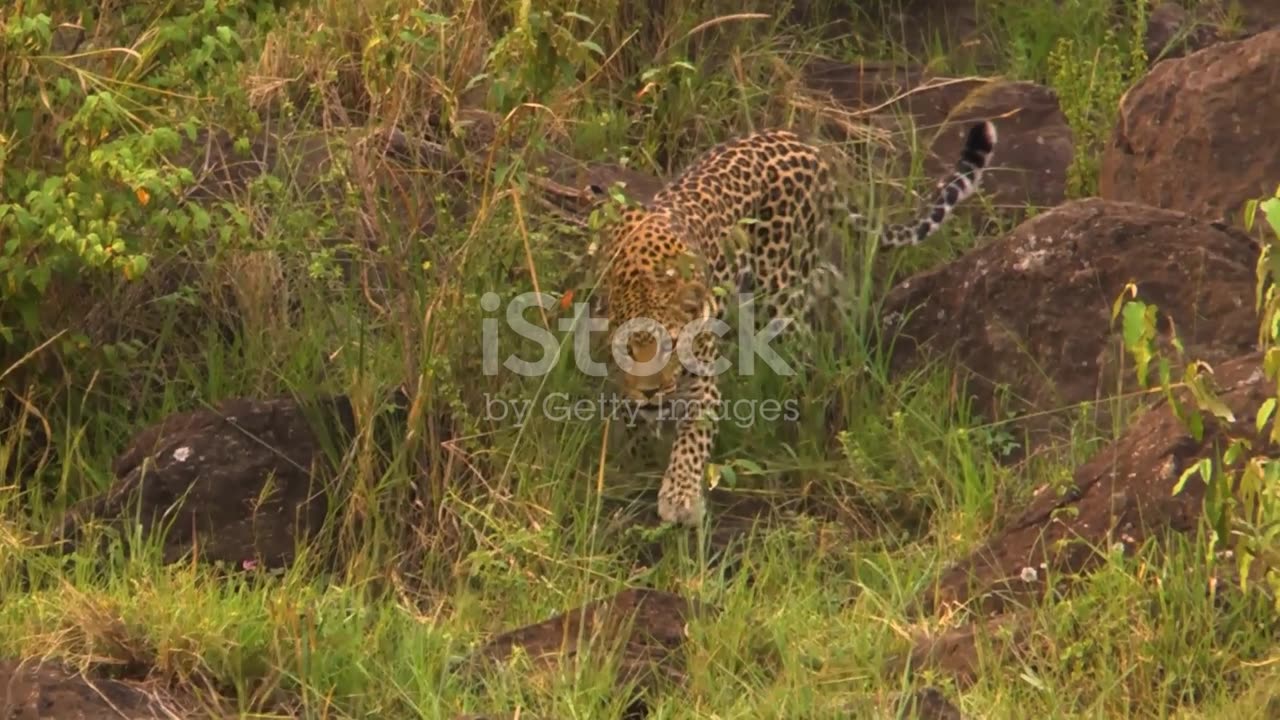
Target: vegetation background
x=135, y=285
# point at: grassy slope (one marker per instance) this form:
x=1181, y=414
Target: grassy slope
x=821, y=614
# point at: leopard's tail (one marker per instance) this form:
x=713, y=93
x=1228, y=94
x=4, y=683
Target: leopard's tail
x=975, y=158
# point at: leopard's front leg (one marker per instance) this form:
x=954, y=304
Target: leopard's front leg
x=680, y=499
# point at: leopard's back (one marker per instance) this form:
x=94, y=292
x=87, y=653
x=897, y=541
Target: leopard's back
x=755, y=207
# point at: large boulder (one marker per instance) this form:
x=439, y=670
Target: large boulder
x=1031, y=313
x=1119, y=500
x=1193, y=135
x=1036, y=146
x=243, y=482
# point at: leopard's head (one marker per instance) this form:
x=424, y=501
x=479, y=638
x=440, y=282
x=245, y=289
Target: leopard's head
x=655, y=302
x=651, y=341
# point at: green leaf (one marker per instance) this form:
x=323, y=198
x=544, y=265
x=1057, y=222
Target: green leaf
x=1195, y=424
x=1135, y=322
x=1204, y=467
x=30, y=318
x=1234, y=451
x=1271, y=211
x=138, y=265
x=721, y=475
x=1138, y=331
x=199, y=218
x=1205, y=397
x=1264, y=413
x=1250, y=213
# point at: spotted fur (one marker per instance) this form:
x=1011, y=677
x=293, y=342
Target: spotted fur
x=663, y=260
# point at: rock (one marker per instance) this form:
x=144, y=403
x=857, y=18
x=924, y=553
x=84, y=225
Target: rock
x=1254, y=16
x=1037, y=147
x=33, y=690
x=566, y=183
x=959, y=652
x=638, y=186
x=1036, y=143
x=1117, y=501
x=927, y=704
x=1188, y=134
x=1031, y=312
x=242, y=482
x=884, y=89
x=648, y=627
x=1171, y=33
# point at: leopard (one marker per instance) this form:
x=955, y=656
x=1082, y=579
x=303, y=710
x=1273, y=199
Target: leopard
x=747, y=218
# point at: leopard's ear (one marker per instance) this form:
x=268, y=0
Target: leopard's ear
x=691, y=297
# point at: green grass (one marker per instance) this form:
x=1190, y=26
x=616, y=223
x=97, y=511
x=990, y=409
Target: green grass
x=508, y=526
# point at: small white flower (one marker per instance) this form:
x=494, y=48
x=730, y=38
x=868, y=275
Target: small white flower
x=181, y=454
x=1029, y=574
